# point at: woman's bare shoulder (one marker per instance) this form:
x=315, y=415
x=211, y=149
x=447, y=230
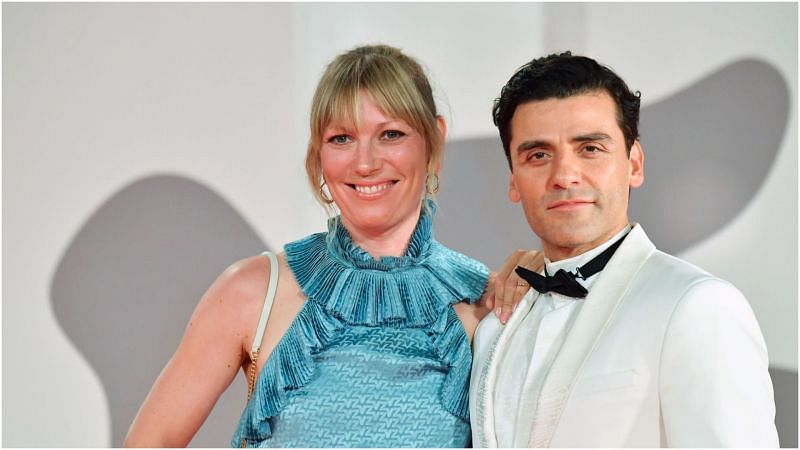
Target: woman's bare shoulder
x=245, y=277
x=248, y=279
x=243, y=286
x=237, y=294
x=470, y=315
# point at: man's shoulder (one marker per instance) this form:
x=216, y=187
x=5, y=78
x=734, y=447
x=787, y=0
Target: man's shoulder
x=683, y=283
x=486, y=335
x=673, y=266
x=659, y=264
x=649, y=264
x=664, y=280
x=488, y=329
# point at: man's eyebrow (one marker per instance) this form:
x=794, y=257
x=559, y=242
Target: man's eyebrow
x=527, y=145
x=592, y=137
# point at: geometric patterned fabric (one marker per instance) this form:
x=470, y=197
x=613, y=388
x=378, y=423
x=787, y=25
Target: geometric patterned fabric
x=375, y=387
x=376, y=357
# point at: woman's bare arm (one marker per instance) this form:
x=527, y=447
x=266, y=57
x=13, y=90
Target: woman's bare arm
x=210, y=354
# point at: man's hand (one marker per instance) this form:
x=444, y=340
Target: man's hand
x=505, y=288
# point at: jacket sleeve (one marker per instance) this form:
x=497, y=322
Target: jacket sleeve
x=714, y=382
x=483, y=343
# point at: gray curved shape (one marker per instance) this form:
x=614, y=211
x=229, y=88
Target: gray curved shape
x=126, y=286
x=707, y=149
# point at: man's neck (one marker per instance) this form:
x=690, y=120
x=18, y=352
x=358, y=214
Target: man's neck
x=556, y=254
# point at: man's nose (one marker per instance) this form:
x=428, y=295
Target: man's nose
x=565, y=171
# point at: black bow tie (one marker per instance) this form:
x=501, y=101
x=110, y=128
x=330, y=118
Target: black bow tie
x=564, y=282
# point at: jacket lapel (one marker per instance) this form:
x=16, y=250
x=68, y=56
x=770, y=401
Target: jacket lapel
x=606, y=294
x=483, y=421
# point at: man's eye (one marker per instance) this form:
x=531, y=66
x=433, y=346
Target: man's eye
x=339, y=139
x=393, y=134
x=537, y=155
x=591, y=149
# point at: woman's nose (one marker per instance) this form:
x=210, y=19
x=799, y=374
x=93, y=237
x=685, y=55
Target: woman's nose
x=368, y=158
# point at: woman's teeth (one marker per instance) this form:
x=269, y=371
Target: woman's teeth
x=372, y=189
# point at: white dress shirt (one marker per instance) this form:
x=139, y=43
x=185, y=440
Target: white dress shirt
x=533, y=347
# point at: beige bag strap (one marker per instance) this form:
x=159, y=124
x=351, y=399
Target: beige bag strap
x=262, y=321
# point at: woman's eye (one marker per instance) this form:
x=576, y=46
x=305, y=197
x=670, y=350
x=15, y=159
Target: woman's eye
x=393, y=134
x=339, y=139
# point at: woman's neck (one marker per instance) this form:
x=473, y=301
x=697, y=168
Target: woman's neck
x=392, y=241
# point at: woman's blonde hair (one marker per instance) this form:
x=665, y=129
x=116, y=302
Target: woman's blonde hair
x=395, y=81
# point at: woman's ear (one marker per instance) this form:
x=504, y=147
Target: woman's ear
x=442, y=125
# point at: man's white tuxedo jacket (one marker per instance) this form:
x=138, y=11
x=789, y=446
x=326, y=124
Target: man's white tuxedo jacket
x=662, y=354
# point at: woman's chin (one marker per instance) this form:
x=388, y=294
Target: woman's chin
x=377, y=220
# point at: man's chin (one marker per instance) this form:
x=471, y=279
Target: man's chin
x=563, y=241
x=565, y=235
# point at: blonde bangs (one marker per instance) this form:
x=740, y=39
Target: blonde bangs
x=334, y=101
x=394, y=81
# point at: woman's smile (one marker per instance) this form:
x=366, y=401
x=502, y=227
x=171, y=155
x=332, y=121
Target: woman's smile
x=373, y=190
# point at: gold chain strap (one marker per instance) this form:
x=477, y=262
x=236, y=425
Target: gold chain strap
x=251, y=374
x=251, y=382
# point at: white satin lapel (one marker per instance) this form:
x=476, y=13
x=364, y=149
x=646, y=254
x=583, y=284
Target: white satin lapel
x=606, y=294
x=486, y=435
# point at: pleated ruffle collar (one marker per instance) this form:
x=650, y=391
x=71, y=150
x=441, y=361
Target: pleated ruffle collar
x=342, y=246
x=410, y=290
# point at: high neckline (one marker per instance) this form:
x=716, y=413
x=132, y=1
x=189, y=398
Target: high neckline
x=410, y=290
x=342, y=247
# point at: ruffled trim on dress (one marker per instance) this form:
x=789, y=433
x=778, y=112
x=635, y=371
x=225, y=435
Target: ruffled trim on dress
x=452, y=347
x=288, y=368
x=347, y=286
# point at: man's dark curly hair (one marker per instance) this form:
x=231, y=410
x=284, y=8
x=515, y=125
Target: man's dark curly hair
x=561, y=76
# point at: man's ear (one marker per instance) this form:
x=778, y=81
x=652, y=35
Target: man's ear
x=513, y=192
x=637, y=165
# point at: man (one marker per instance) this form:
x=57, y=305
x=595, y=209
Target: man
x=625, y=346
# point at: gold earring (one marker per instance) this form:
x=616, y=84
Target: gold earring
x=432, y=183
x=323, y=195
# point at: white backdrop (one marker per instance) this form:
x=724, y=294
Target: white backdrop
x=97, y=96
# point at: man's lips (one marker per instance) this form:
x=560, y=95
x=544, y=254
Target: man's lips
x=563, y=205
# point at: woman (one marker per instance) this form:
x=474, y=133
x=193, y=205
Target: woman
x=367, y=340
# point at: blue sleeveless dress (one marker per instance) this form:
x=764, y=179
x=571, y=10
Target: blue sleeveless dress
x=376, y=357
